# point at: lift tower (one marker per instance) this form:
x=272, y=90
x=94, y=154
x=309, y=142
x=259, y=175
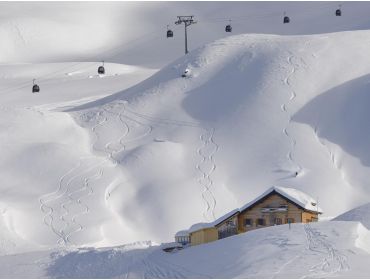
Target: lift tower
x=188, y=20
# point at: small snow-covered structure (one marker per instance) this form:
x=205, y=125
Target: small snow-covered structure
x=182, y=237
x=202, y=233
x=276, y=206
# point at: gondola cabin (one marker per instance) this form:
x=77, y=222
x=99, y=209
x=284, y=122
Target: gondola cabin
x=169, y=33
x=101, y=70
x=338, y=12
x=286, y=19
x=228, y=28
x=35, y=88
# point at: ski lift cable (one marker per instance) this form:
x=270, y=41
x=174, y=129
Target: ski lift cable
x=43, y=77
x=107, y=53
x=26, y=84
x=265, y=15
x=117, y=50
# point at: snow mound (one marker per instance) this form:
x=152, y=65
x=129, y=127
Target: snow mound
x=360, y=214
x=317, y=250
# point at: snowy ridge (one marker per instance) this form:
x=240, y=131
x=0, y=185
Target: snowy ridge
x=360, y=214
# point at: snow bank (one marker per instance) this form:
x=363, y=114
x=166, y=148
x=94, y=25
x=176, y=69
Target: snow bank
x=360, y=214
x=363, y=240
x=317, y=250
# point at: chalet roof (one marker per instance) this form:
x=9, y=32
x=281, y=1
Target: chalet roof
x=225, y=217
x=298, y=197
x=182, y=233
x=200, y=226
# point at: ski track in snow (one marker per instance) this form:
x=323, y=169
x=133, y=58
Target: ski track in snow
x=284, y=109
x=159, y=267
x=48, y=214
x=337, y=165
x=62, y=191
x=205, y=180
x=70, y=189
x=332, y=262
x=206, y=152
x=124, y=120
x=85, y=208
x=48, y=199
x=108, y=149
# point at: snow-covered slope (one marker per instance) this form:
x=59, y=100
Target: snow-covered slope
x=318, y=250
x=360, y=214
x=105, y=160
x=168, y=152
x=242, y=121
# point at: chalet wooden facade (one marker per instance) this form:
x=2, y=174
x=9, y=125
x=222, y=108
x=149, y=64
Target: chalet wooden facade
x=276, y=206
x=203, y=235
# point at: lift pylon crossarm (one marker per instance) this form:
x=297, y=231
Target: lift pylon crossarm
x=187, y=20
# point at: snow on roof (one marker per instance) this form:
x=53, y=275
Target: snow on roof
x=297, y=196
x=182, y=233
x=294, y=195
x=200, y=226
x=226, y=216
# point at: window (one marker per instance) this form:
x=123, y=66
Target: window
x=260, y=222
x=289, y=220
x=230, y=223
x=248, y=222
x=278, y=221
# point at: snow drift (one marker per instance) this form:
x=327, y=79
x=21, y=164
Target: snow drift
x=360, y=214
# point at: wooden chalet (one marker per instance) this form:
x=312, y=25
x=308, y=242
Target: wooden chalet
x=276, y=206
